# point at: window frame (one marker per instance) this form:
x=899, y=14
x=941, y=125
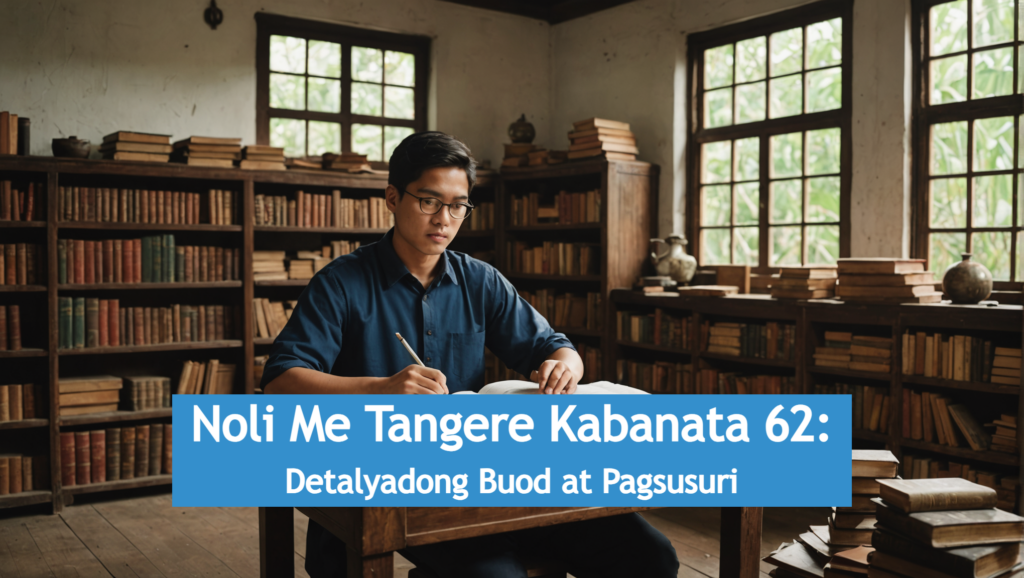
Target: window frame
x=925, y=115
x=801, y=16
x=268, y=25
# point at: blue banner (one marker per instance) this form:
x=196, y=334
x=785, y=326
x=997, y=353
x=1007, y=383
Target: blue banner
x=512, y=450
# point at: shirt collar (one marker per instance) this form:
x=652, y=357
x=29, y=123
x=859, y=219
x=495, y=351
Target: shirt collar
x=395, y=269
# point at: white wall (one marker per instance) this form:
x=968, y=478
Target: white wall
x=90, y=67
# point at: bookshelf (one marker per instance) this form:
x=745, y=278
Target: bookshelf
x=1002, y=325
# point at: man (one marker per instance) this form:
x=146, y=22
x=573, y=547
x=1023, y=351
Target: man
x=448, y=307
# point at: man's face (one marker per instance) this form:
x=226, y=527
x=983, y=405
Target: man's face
x=429, y=234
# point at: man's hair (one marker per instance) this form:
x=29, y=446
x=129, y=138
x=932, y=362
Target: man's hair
x=428, y=150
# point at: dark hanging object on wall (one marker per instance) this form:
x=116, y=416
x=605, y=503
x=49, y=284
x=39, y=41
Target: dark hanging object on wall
x=967, y=281
x=521, y=131
x=213, y=16
x=24, y=138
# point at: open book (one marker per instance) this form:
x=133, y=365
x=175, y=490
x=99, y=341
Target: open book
x=520, y=386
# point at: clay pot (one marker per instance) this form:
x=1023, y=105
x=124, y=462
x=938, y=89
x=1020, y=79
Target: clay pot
x=71, y=147
x=967, y=281
x=521, y=131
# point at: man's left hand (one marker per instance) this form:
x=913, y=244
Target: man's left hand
x=554, y=377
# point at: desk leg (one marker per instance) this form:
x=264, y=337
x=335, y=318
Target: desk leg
x=277, y=542
x=377, y=566
x=740, y=552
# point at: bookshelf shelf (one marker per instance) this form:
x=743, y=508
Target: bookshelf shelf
x=961, y=385
x=276, y=229
x=23, y=224
x=186, y=346
x=748, y=360
x=282, y=283
x=23, y=353
x=554, y=278
x=869, y=435
x=22, y=288
x=25, y=498
x=144, y=286
x=963, y=453
x=24, y=423
x=143, y=482
x=840, y=372
x=147, y=226
x=115, y=416
x=553, y=227
x=652, y=347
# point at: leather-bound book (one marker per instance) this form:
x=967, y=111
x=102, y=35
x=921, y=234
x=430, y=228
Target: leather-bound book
x=98, y=455
x=67, y=459
x=27, y=483
x=113, y=454
x=14, y=327
x=28, y=401
x=83, y=460
x=156, y=448
x=167, y=449
x=141, y=451
x=14, y=402
x=127, y=453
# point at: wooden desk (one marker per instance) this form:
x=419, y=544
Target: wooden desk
x=372, y=535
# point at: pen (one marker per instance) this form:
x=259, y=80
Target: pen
x=409, y=349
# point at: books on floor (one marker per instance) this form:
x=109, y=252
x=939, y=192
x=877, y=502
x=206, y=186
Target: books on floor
x=597, y=137
x=204, y=151
x=804, y=283
x=85, y=395
x=886, y=281
x=136, y=146
x=263, y=158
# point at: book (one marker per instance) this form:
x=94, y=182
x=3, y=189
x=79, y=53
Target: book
x=891, y=280
x=795, y=558
x=953, y=528
x=968, y=562
x=929, y=495
x=879, y=265
x=599, y=123
x=874, y=464
x=848, y=536
x=137, y=137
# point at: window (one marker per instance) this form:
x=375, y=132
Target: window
x=967, y=125
x=331, y=88
x=769, y=148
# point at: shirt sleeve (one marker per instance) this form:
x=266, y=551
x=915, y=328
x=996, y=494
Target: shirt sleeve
x=312, y=336
x=516, y=332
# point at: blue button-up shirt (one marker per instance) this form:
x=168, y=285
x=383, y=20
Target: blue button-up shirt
x=346, y=319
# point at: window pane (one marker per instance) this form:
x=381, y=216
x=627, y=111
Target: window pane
x=822, y=245
x=367, y=64
x=786, y=97
x=993, y=22
x=824, y=89
x=287, y=91
x=825, y=43
x=949, y=27
x=290, y=134
x=748, y=159
x=393, y=136
x=823, y=147
x=945, y=249
x=399, y=103
x=366, y=99
x=949, y=80
x=325, y=58
x=948, y=203
x=1020, y=199
x=787, y=155
x=714, y=247
x=287, y=54
x=751, y=59
x=787, y=204
x=716, y=207
x=786, y=51
x=993, y=201
x=949, y=148
x=1020, y=256
x=745, y=242
x=993, y=144
x=324, y=137
x=399, y=68
x=718, y=108
x=748, y=199
x=366, y=140
x=823, y=200
x=717, y=159
x=786, y=245
x=324, y=95
x=718, y=67
x=992, y=249
x=993, y=73
x=750, y=102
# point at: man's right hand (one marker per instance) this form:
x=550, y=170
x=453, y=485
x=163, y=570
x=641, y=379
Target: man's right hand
x=415, y=379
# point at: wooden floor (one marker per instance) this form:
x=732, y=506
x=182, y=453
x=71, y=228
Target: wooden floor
x=144, y=536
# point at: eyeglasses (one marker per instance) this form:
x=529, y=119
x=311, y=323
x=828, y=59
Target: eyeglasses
x=432, y=206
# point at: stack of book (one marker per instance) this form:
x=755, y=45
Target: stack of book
x=270, y=316
x=924, y=467
x=308, y=163
x=205, y=151
x=804, y=283
x=1006, y=366
x=20, y=204
x=943, y=528
x=1004, y=438
x=10, y=327
x=853, y=526
x=264, y=158
x=268, y=266
x=517, y=154
x=136, y=146
x=349, y=162
x=9, y=133
x=595, y=137
x=147, y=392
x=120, y=453
x=857, y=352
x=17, y=402
x=84, y=395
x=887, y=281
x=20, y=473
x=306, y=264
x=206, y=377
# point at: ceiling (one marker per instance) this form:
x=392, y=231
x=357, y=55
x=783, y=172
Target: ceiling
x=553, y=11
